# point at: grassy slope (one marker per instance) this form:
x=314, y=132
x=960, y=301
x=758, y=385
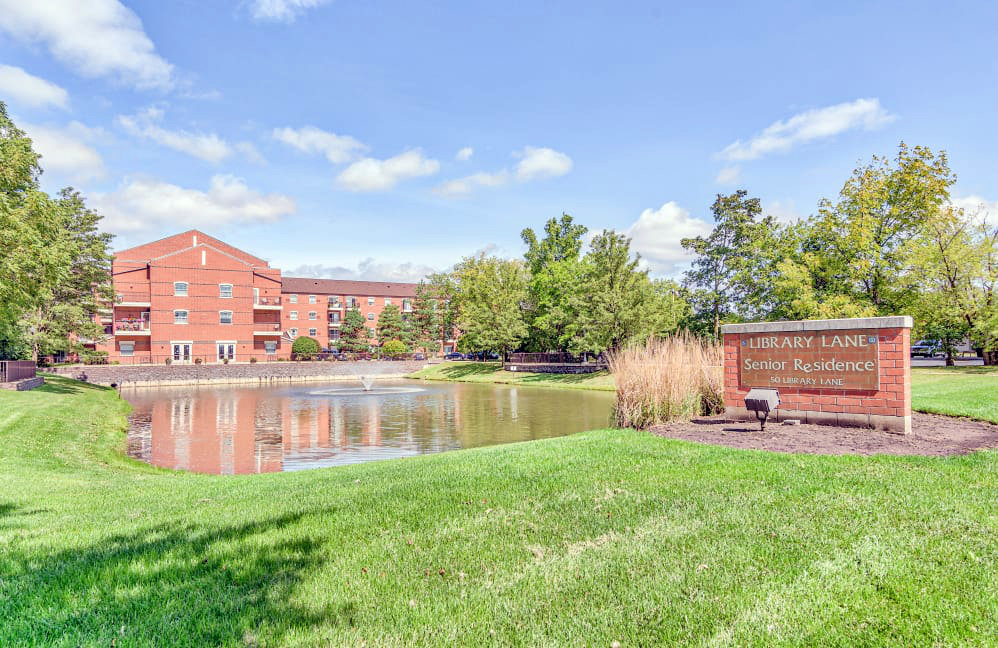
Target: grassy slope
x=491, y=372
x=590, y=538
x=957, y=391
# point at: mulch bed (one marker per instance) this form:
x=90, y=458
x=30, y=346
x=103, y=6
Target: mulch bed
x=931, y=435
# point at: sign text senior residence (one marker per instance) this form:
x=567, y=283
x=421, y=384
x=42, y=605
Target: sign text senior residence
x=821, y=360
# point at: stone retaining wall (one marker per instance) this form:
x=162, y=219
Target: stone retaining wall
x=239, y=373
x=886, y=405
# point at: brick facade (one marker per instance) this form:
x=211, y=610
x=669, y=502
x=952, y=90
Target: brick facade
x=886, y=407
x=191, y=297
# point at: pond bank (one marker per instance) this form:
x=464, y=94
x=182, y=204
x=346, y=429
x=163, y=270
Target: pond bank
x=235, y=374
x=492, y=372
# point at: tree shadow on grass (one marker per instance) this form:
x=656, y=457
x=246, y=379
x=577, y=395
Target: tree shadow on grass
x=170, y=584
x=465, y=369
x=563, y=379
x=68, y=386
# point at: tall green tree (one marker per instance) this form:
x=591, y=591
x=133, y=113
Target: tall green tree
x=425, y=319
x=556, y=274
x=55, y=265
x=724, y=277
x=355, y=336
x=443, y=287
x=391, y=326
x=619, y=303
x=491, y=294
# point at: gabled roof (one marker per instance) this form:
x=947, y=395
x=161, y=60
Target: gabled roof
x=347, y=288
x=183, y=241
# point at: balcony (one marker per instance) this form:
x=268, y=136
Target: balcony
x=335, y=304
x=267, y=303
x=131, y=327
x=266, y=329
x=125, y=299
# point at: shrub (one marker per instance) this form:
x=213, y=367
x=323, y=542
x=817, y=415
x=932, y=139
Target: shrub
x=393, y=348
x=665, y=380
x=253, y=360
x=305, y=347
x=168, y=361
x=198, y=361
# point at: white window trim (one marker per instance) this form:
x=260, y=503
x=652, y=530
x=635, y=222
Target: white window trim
x=234, y=344
x=388, y=301
x=311, y=299
x=220, y=295
x=313, y=333
x=292, y=333
x=370, y=317
x=313, y=315
x=265, y=343
x=182, y=342
x=121, y=348
x=231, y=318
x=293, y=299
x=187, y=317
x=293, y=315
x=370, y=301
x=187, y=288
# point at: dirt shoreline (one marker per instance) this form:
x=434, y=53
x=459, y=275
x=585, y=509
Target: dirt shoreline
x=931, y=435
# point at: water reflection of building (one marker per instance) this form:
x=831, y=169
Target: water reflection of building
x=249, y=430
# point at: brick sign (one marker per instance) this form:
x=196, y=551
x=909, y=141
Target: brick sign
x=845, y=359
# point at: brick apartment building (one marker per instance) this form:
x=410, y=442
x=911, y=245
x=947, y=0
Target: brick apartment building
x=191, y=296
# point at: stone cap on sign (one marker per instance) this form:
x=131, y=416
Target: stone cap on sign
x=897, y=321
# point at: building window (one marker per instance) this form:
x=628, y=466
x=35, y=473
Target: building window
x=312, y=315
x=388, y=301
x=293, y=333
x=407, y=305
x=225, y=291
x=370, y=316
x=225, y=317
x=293, y=299
x=370, y=301
x=334, y=302
x=313, y=332
x=126, y=348
x=351, y=302
x=311, y=299
x=226, y=350
x=270, y=348
x=179, y=317
x=179, y=288
x=334, y=318
x=293, y=315
x=334, y=334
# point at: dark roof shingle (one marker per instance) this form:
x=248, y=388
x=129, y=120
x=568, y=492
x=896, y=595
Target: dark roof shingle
x=347, y=288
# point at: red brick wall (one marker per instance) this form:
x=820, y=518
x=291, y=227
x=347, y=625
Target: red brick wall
x=869, y=408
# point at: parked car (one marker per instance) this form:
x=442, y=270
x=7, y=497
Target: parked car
x=454, y=355
x=419, y=356
x=481, y=356
x=926, y=348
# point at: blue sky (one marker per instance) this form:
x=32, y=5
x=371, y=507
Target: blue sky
x=379, y=140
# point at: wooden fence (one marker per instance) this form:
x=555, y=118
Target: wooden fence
x=11, y=370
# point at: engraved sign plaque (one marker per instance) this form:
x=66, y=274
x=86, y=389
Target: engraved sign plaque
x=842, y=359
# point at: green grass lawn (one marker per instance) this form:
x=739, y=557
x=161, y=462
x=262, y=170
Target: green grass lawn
x=582, y=540
x=956, y=391
x=492, y=372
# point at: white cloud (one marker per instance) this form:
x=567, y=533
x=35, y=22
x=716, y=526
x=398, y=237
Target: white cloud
x=541, y=163
x=370, y=174
x=282, y=10
x=30, y=90
x=463, y=186
x=974, y=204
x=66, y=152
x=782, y=210
x=728, y=175
x=464, y=154
x=657, y=236
x=336, y=148
x=369, y=269
x=146, y=204
x=781, y=136
x=204, y=146
x=94, y=37
x=249, y=151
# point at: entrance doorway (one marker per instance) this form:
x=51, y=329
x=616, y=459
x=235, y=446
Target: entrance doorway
x=182, y=352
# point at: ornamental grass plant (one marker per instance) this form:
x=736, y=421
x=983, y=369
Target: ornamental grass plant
x=662, y=380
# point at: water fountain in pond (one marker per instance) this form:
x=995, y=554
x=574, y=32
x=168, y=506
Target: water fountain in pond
x=366, y=382
x=367, y=389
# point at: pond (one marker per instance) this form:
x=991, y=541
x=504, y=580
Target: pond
x=235, y=429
